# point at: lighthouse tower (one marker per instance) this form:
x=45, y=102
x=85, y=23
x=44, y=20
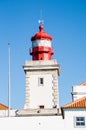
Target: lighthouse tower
x=42, y=96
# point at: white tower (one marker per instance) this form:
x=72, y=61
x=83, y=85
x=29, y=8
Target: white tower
x=42, y=96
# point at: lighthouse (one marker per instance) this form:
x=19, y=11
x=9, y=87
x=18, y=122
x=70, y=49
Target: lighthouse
x=42, y=94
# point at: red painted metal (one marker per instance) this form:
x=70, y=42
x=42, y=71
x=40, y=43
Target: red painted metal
x=41, y=52
x=41, y=35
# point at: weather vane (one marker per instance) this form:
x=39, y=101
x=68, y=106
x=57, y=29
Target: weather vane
x=40, y=21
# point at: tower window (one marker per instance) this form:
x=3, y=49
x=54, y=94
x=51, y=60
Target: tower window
x=41, y=81
x=41, y=106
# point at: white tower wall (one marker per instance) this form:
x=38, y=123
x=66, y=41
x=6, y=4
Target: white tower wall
x=41, y=95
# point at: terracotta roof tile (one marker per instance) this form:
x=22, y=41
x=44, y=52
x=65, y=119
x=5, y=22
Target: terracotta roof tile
x=83, y=84
x=3, y=107
x=80, y=103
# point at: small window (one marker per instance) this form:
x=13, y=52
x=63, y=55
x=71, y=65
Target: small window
x=80, y=121
x=41, y=81
x=41, y=106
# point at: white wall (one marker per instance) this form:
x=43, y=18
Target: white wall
x=69, y=118
x=32, y=123
x=78, y=92
x=4, y=113
x=41, y=95
x=42, y=122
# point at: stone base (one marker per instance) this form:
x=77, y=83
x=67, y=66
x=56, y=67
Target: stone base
x=38, y=112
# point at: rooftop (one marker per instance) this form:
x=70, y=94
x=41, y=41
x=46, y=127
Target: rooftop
x=41, y=35
x=3, y=107
x=83, y=84
x=80, y=103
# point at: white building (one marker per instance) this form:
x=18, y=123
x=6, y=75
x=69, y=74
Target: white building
x=78, y=91
x=41, y=109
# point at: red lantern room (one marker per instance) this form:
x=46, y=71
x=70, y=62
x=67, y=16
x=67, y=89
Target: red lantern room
x=41, y=45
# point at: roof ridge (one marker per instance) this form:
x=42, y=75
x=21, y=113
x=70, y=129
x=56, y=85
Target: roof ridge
x=3, y=107
x=83, y=84
x=80, y=103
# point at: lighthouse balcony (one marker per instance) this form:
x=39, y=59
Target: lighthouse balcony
x=41, y=50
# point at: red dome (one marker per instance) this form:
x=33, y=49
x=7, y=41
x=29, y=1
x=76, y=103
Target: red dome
x=41, y=35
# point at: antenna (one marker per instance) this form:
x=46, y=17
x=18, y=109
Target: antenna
x=41, y=21
x=8, y=79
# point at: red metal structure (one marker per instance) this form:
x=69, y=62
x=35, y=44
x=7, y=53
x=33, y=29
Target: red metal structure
x=41, y=46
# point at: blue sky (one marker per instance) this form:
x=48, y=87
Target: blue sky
x=64, y=20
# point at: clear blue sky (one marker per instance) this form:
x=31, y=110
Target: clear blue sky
x=64, y=20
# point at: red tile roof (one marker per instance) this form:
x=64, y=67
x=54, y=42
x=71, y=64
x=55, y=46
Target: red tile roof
x=80, y=103
x=83, y=84
x=3, y=107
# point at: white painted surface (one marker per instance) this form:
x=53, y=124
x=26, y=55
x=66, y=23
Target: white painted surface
x=4, y=113
x=78, y=92
x=47, y=95
x=70, y=116
x=41, y=63
x=32, y=123
x=45, y=43
x=41, y=122
x=41, y=94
